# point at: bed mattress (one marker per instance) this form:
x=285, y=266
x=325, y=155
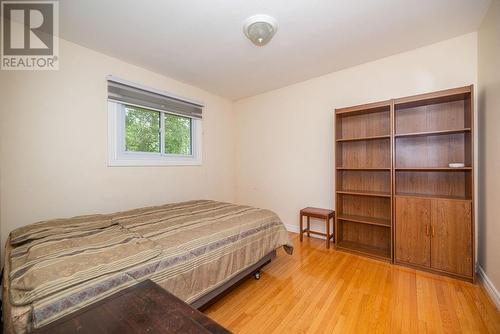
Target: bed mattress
x=56, y=267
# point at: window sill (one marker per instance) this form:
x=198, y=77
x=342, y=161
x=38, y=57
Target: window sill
x=152, y=163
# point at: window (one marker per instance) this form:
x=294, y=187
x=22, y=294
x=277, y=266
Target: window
x=142, y=130
x=177, y=135
x=142, y=135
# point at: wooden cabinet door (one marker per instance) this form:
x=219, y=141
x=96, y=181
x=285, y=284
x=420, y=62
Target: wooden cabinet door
x=413, y=231
x=451, y=247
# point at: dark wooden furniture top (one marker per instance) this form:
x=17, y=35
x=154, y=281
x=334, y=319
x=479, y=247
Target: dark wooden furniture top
x=142, y=308
x=317, y=213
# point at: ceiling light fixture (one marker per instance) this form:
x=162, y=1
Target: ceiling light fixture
x=260, y=29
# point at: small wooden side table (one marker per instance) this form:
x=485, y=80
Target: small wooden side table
x=320, y=214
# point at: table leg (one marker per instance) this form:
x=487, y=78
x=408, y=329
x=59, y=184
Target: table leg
x=300, y=227
x=308, y=226
x=333, y=230
x=328, y=232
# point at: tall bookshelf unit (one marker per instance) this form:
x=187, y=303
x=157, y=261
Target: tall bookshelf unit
x=363, y=174
x=397, y=198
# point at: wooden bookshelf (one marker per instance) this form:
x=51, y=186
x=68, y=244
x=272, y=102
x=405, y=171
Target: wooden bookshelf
x=433, y=203
x=396, y=197
x=363, y=173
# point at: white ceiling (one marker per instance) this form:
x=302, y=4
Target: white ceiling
x=201, y=42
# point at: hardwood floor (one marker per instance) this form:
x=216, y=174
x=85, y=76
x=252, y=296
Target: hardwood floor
x=326, y=291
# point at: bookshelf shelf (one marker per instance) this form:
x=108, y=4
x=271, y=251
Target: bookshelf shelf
x=366, y=220
x=364, y=249
x=364, y=193
x=432, y=133
x=363, y=138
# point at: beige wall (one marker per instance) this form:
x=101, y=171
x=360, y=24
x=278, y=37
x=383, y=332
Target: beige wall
x=284, y=137
x=489, y=144
x=53, y=144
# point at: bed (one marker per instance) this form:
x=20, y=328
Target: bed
x=194, y=249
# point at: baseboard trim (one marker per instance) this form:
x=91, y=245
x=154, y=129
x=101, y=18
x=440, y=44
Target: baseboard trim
x=295, y=229
x=292, y=228
x=489, y=287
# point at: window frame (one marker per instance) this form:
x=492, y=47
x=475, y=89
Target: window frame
x=118, y=156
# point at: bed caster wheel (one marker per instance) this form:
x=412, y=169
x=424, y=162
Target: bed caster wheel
x=256, y=275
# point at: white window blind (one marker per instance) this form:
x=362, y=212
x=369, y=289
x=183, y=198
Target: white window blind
x=122, y=92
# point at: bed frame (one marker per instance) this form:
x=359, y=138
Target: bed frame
x=254, y=270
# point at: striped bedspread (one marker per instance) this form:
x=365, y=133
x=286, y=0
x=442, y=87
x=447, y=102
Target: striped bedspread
x=56, y=267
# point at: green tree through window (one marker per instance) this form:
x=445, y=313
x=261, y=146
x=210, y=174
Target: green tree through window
x=142, y=130
x=177, y=135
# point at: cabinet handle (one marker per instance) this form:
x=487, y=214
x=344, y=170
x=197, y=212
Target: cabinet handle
x=432, y=230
